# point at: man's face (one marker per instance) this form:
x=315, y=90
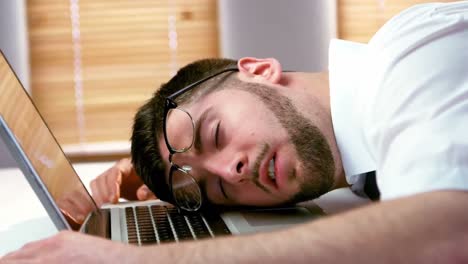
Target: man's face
x=259, y=145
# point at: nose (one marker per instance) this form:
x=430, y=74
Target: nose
x=233, y=169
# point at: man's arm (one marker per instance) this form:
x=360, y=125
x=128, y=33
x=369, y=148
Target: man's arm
x=424, y=228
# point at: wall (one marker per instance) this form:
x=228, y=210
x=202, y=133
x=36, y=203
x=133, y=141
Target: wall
x=13, y=37
x=295, y=32
x=14, y=44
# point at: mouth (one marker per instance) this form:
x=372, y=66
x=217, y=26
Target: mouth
x=268, y=174
x=271, y=170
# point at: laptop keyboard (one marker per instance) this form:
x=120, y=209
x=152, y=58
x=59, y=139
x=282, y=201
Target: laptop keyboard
x=155, y=224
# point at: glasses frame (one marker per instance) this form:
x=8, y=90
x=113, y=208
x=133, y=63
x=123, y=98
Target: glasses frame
x=171, y=104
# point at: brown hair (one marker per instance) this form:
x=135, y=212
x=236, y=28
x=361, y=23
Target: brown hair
x=147, y=127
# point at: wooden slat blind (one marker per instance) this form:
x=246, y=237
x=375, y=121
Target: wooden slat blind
x=358, y=20
x=124, y=52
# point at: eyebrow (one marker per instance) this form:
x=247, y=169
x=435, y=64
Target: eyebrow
x=198, y=144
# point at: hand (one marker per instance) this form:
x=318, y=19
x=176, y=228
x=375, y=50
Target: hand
x=120, y=180
x=73, y=247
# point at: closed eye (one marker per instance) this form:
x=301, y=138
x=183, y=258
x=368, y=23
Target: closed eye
x=217, y=135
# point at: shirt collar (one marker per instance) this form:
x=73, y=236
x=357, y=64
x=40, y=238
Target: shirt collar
x=345, y=69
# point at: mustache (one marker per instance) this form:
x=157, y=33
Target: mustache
x=256, y=168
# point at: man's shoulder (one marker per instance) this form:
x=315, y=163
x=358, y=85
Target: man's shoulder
x=417, y=23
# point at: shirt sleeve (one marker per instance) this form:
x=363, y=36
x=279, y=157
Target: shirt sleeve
x=417, y=118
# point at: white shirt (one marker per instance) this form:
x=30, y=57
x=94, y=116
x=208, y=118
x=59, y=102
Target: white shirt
x=400, y=103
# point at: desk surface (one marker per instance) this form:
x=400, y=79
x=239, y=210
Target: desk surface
x=24, y=219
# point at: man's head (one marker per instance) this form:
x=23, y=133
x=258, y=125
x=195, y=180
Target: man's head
x=264, y=139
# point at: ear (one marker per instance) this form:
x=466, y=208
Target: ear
x=268, y=69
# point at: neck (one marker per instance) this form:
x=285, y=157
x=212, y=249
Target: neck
x=316, y=84
x=313, y=83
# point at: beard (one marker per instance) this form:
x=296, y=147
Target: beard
x=309, y=142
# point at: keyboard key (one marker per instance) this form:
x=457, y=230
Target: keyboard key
x=131, y=227
x=217, y=225
x=180, y=225
x=163, y=226
x=146, y=219
x=198, y=226
x=145, y=225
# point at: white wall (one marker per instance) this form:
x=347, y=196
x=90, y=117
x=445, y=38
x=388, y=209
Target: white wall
x=14, y=44
x=296, y=32
x=13, y=37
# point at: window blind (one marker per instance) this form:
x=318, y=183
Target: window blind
x=94, y=62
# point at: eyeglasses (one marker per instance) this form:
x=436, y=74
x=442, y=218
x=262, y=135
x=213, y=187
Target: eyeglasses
x=185, y=190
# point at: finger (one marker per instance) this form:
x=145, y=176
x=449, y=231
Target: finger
x=125, y=166
x=144, y=193
x=113, y=182
x=97, y=196
x=116, y=194
x=101, y=183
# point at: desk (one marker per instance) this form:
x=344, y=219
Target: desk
x=19, y=226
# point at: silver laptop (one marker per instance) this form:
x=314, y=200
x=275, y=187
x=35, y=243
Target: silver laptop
x=35, y=150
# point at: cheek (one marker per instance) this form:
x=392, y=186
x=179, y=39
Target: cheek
x=250, y=123
x=249, y=120
x=253, y=133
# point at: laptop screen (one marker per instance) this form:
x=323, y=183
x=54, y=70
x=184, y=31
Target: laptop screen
x=39, y=147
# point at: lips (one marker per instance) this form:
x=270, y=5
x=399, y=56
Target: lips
x=269, y=173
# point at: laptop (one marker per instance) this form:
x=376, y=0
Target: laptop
x=30, y=142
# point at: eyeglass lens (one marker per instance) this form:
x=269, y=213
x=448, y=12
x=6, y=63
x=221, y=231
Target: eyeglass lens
x=179, y=130
x=186, y=191
x=180, y=136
